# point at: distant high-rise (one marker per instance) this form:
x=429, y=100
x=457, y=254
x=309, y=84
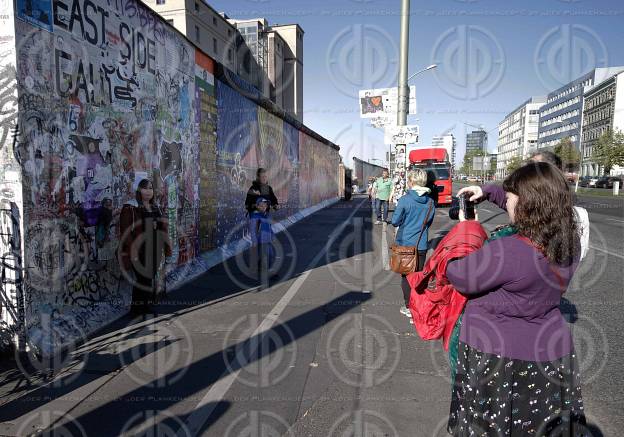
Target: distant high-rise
x=476, y=140
x=447, y=141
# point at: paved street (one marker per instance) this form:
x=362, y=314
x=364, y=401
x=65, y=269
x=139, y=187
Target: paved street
x=322, y=351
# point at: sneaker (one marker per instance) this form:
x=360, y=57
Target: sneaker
x=378, y=222
x=405, y=311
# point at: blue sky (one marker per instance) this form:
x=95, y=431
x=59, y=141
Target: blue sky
x=492, y=55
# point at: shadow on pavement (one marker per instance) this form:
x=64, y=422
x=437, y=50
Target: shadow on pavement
x=32, y=387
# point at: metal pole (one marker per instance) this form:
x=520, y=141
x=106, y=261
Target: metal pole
x=403, y=107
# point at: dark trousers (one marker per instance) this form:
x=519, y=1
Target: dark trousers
x=405, y=287
x=381, y=209
x=142, y=293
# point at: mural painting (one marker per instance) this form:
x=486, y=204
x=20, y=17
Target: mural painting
x=95, y=95
x=105, y=95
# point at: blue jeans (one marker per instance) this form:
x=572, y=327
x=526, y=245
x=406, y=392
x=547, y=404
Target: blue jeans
x=381, y=209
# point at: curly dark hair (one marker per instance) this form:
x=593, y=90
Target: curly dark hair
x=545, y=211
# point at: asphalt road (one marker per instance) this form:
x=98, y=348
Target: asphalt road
x=321, y=351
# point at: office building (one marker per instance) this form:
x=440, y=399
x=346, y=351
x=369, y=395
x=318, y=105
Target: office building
x=517, y=133
x=476, y=140
x=447, y=141
x=603, y=111
x=561, y=115
x=270, y=58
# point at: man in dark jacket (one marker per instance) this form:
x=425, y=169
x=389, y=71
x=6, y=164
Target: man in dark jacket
x=260, y=188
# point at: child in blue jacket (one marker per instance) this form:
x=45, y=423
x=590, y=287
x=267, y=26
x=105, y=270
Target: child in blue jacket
x=262, y=235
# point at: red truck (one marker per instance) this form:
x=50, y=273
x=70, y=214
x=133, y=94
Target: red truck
x=435, y=161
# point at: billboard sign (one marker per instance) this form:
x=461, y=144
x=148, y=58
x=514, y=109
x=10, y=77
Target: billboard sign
x=384, y=102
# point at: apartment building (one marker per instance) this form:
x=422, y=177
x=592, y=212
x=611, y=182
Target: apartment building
x=270, y=58
x=208, y=29
x=561, y=115
x=447, y=141
x=517, y=133
x=603, y=111
x=278, y=50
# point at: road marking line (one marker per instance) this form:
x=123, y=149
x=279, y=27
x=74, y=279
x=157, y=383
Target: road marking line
x=206, y=406
x=614, y=220
x=608, y=252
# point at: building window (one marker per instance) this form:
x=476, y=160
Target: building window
x=230, y=55
x=214, y=21
x=196, y=7
x=215, y=47
x=160, y=2
x=197, y=34
x=229, y=32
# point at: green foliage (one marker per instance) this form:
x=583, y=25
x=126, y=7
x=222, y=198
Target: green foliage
x=570, y=156
x=466, y=167
x=513, y=163
x=609, y=150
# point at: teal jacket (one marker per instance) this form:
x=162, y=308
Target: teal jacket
x=409, y=216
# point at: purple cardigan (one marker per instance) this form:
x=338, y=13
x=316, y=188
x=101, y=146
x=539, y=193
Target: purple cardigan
x=514, y=296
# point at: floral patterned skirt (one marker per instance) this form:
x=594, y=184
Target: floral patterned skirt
x=497, y=396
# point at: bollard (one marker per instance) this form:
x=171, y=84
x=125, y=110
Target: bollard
x=616, y=188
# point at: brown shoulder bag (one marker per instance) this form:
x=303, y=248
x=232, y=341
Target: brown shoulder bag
x=404, y=259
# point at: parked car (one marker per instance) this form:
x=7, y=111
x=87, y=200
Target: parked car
x=592, y=182
x=472, y=179
x=607, y=181
x=584, y=181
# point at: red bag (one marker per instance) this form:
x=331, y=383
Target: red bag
x=434, y=303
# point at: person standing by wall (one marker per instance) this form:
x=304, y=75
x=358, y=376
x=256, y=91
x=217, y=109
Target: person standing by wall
x=382, y=188
x=144, y=239
x=413, y=216
x=260, y=188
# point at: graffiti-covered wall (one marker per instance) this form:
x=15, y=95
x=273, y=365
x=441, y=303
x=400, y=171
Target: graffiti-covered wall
x=108, y=95
x=101, y=94
x=302, y=170
x=364, y=170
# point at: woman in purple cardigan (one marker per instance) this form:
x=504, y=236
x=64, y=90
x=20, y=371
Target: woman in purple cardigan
x=516, y=367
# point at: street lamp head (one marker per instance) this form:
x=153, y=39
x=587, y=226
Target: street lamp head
x=431, y=67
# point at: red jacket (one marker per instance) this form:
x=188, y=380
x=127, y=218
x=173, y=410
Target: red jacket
x=434, y=303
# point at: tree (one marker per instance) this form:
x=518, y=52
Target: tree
x=467, y=165
x=513, y=164
x=609, y=150
x=570, y=157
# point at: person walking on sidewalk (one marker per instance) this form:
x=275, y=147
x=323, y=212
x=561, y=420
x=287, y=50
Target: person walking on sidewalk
x=517, y=371
x=260, y=188
x=413, y=216
x=382, y=188
x=144, y=239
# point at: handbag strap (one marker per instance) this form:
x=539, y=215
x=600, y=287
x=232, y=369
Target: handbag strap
x=423, y=225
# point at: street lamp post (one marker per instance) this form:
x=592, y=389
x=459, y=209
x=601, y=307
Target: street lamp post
x=403, y=107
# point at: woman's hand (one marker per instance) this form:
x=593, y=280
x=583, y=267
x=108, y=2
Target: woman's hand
x=477, y=192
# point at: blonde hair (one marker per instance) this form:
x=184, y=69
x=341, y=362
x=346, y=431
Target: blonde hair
x=417, y=177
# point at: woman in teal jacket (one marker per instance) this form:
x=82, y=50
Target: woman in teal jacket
x=413, y=216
